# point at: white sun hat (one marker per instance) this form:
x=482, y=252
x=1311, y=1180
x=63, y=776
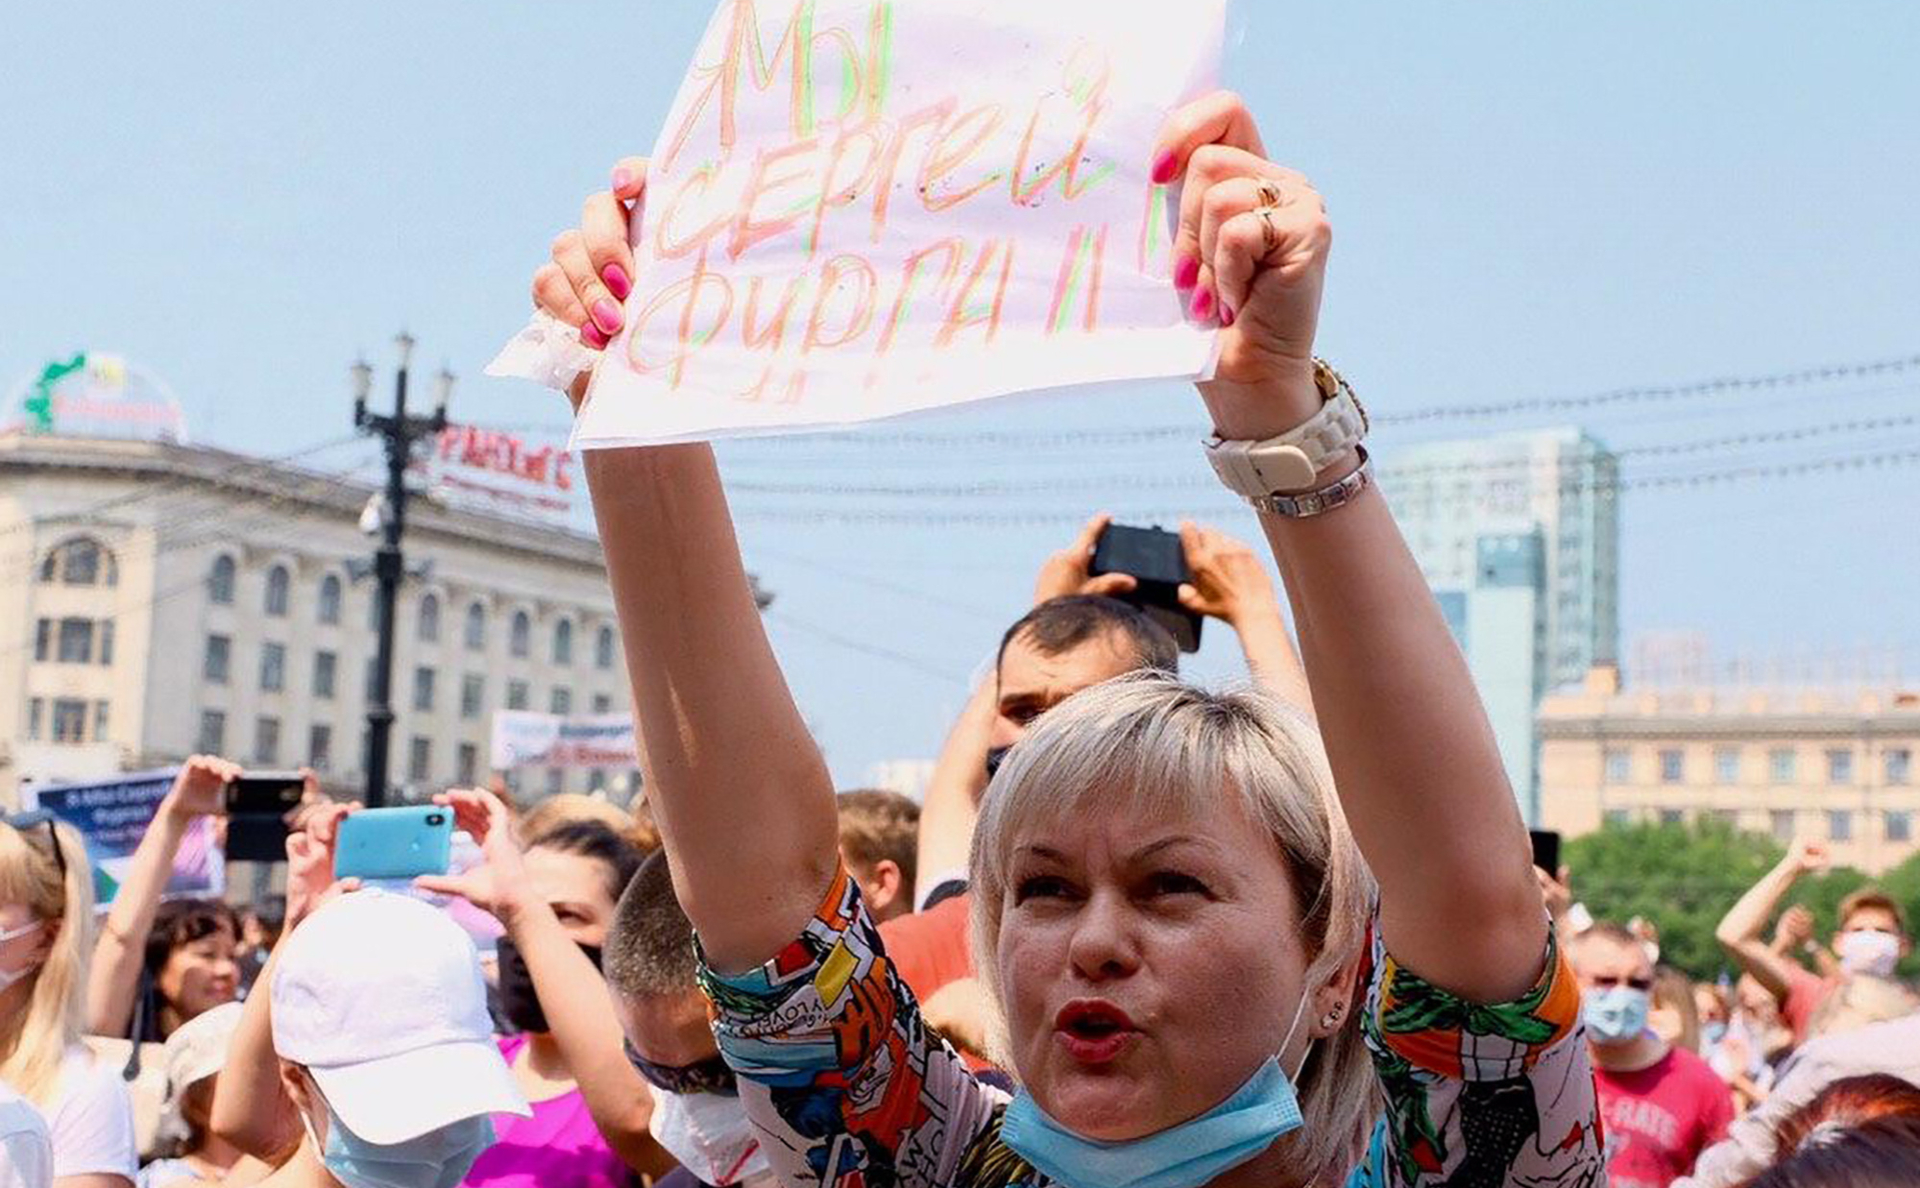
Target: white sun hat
x=380, y=997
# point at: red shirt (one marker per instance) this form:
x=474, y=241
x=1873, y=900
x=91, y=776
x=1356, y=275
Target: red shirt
x=930, y=949
x=1805, y=992
x=1660, y=1118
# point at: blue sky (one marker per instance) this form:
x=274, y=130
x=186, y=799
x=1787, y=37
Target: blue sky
x=1529, y=200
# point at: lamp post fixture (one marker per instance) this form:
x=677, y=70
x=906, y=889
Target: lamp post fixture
x=398, y=433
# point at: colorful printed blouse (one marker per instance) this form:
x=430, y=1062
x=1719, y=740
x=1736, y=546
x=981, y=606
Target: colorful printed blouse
x=851, y=1090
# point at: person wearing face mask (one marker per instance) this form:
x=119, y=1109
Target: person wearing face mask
x=650, y=965
x=1871, y=939
x=556, y=901
x=1662, y=1105
x=46, y=917
x=1213, y=963
x=378, y=1015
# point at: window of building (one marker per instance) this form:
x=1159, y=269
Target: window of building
x=466, y=764
x=273, y=667
x=427, y=626
x=43, y=639
x=102, y=711
x=475, y=632
x=602, y=704
x=560, y=701
x=1899, y=823
x=1781, y=767
x=556, y=781
x=1673, y=766
x=1839, y=766
x=76, y=641
x=1899, y=766
x=266, y=741
x=326, y=666
x=279, y=584
x=473, y=695
x=1672, y=817
x=220, y=581
x=36, y=718
x=420, y=759
x=219, y=659
x=320, y=747
x=423, y=689
x=1839, y=825
x=603, y=649
x=520, y=638
x=1619, y=764
x=517, y=694
x=563, y=642
x=1780, y=824
x=213, y=733
x=1618, y=817
x=83, y=563
x=106, y=643
x=80, y=562
x=69, y=720
x=1726, y=765
x=1725, y=818
x=328, y=610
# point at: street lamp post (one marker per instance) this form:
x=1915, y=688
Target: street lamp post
x=398, y=433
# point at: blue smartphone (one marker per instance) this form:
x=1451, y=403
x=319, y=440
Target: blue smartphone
x=394, y=843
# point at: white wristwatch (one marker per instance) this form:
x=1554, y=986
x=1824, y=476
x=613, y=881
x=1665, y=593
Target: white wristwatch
x=1291, y=462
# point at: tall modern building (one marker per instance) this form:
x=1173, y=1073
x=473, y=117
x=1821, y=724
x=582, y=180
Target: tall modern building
x=167, y=599
x=1518, y=534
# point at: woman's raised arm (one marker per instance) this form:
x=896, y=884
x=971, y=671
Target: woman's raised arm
x=1413, y=756
x=736, y=784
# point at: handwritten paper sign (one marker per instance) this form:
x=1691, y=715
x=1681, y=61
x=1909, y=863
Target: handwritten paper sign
x=860, y=208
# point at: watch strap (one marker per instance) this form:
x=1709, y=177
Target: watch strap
x=1312, y=503
x=1293, y=460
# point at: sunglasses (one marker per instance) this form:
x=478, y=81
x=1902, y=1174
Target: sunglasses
x=33, y=819
x=711, y=1075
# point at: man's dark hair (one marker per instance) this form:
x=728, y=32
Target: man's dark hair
x=1060, y=625
x=649, y=948
x=599, y=841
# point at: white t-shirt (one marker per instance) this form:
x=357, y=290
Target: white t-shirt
x=26, y=1153
x=91, y=1120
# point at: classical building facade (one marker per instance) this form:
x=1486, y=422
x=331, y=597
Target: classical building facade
x=1831, y=764
x=164, y=599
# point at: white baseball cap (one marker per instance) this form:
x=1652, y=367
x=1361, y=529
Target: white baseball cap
x=380, y=997
x=198, y=1049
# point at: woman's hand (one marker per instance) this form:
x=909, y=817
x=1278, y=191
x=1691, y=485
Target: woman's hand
x=200, y=789
x=310, y=880
x=497, y=886
x=592, y=268
x=1069, y=571
x=1251, y=257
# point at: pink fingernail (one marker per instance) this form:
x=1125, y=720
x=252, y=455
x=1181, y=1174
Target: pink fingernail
x=1203, y=305
x=1164, y=166
x=1226, y=314
x=622, y=178
x=606, y=315
x=590, y=334
x=1186, y=272
x=617, y=281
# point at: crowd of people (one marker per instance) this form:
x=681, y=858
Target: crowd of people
x=1139, y=934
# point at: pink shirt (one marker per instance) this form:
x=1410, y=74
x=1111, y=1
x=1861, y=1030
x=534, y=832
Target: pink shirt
x=559, y=1147
x=1659, y=1119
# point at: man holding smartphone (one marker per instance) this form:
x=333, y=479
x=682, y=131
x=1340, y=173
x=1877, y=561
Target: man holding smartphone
x=1077, y=635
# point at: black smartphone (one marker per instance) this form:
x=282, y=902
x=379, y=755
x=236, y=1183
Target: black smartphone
x=258, y=804
x=1546, y=850
x=1154, y=558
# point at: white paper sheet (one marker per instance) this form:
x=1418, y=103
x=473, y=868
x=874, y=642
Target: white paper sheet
x=862, y=208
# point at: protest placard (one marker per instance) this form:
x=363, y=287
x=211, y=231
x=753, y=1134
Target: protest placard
x=862, y=208
x=523, y=738
x=113, y=815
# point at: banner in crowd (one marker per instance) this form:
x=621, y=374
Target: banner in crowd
x=525, y=739
x=492, y=470
x=861, y=208
x=113, y=815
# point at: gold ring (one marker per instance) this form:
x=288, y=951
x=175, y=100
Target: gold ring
x=1269, y=194
x=1269, y=234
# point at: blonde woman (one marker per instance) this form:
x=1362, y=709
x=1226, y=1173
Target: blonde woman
x=46, y=917
x=1198, y=980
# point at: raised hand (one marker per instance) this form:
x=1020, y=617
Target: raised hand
x=1066, y=572
x=310, y=850
x=1229, y=580
x=200, y=789
x=1251, y=257
x=1807, y=856
x=592, y=268
x=496, y=886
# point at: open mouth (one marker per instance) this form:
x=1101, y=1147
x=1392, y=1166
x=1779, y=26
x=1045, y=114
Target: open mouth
x=1094, y=1032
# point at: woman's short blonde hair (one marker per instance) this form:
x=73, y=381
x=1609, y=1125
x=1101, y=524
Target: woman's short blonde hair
x=1150, y=745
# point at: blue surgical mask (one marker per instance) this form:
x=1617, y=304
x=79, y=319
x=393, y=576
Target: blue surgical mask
x=1615, y=1015
x=1183, y=1156
x=1712, y=1033
x=437, y=1159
